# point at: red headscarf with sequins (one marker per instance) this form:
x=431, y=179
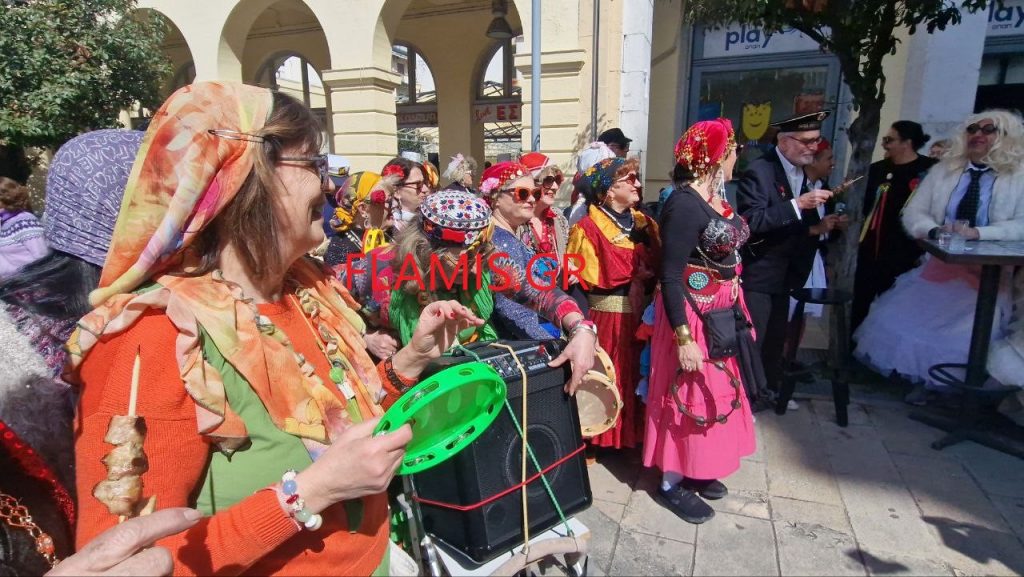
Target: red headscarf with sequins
x=497, y=176
x=704, y=146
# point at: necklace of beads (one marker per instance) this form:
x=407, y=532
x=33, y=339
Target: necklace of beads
x=625, y=231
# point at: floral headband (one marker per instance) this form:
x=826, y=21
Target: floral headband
x=704, y=146
x=497, y=176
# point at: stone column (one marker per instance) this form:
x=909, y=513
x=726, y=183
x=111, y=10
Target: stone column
x=363, y=115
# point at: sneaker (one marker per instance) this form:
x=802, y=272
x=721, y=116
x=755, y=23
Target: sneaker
x=792, y=406
x=712, y=489
x=686, y=505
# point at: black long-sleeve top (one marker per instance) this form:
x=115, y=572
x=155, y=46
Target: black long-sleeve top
x=686, y=223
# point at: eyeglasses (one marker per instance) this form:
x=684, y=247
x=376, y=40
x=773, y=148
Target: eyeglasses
x=319, y=162
x=988, y=129
x=416, y=184
x=632, y=179
x=888, y=140
x=808, y=142
x=550, y=181
x=521, y=194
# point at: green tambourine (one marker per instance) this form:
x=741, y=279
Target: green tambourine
x=448, y=411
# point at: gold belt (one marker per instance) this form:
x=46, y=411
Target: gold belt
x=610, y=303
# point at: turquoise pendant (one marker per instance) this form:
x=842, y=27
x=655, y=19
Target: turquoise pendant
x=698, y=281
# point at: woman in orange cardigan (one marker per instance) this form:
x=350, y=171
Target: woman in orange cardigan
x=256, y=388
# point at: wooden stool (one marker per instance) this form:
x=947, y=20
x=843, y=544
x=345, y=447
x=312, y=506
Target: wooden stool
x=840, y=386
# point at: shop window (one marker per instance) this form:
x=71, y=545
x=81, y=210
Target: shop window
x=997, y=69
x=1001, y=81
x=752, y=99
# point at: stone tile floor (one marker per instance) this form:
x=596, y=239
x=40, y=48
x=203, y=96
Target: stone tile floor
x=816, y=499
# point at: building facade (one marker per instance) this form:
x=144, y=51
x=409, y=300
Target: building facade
x=423, y=74
x=391, y=75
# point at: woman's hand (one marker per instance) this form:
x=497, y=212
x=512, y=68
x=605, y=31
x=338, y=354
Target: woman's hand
x=381, y=344
x=356, y=464
x=126, y=549
x=690, y=357
x=580, y=354
x=438, y=328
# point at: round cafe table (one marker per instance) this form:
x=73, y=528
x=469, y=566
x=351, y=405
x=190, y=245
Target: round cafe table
x=990, y=256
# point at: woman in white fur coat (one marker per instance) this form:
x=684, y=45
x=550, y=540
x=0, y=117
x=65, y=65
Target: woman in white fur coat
x=926, y=317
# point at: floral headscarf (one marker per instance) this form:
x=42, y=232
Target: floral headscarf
x=704, y=146
x=192, y=162
x=430, y=175
x=198, y=151
x=355, y=191
x=594, y=182
x=498, y=175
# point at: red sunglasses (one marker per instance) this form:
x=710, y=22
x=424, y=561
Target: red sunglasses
x=520, y=194
x=633, y=179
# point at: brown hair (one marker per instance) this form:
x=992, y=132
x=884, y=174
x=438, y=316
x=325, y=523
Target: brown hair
x=13, y=195
x=631, y=165
x=249, y=218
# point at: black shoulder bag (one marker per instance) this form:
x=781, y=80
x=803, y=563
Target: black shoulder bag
x=722, y=327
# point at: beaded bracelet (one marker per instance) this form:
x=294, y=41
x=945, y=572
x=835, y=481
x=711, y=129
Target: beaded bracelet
x=397, y=380
x=290, y=488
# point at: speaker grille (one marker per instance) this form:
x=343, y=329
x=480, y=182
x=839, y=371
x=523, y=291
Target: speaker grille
x=492, y=464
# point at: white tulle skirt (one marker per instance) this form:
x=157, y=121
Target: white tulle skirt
x=926, y=319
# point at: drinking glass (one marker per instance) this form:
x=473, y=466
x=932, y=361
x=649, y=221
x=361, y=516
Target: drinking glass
x=960, y=228
x=944, y=239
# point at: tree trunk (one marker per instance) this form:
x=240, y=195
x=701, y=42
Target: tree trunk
x=863, y=133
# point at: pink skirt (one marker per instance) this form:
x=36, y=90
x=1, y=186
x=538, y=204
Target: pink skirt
x=674, y=442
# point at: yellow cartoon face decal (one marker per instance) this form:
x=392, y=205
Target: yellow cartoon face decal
x=756, y=117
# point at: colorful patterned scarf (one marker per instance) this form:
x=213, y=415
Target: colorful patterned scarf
x=183, y=178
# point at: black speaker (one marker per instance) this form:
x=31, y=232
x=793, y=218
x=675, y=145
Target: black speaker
x=492, y=464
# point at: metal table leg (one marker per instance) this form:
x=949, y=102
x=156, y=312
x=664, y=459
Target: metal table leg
x=981, y=334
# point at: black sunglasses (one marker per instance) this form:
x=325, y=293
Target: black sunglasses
x=550, y=181
x=319, y=162
x=987, y=129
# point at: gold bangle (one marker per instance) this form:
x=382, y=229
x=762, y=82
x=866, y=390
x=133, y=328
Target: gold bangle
x=683, y=335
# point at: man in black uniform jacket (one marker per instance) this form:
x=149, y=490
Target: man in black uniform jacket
x=772, y=195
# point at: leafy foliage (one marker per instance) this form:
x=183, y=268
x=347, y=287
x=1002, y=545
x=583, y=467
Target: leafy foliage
x=71, y=66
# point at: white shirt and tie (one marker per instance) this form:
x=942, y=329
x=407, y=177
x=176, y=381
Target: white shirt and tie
x=816, y=279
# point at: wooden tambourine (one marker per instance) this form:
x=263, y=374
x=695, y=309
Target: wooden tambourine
x=598, y=397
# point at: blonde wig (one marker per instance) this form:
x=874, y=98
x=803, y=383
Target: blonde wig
x=1007, y=151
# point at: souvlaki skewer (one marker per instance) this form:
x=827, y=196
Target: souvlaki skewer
x=121, y=491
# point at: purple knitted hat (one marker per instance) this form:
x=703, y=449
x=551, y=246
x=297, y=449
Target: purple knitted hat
x=84, y=189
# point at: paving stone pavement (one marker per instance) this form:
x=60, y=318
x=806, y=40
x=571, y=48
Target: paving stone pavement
x=817, y=499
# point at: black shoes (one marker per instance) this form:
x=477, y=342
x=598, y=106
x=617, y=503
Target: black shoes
x=686, y=504
x=708, y=489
